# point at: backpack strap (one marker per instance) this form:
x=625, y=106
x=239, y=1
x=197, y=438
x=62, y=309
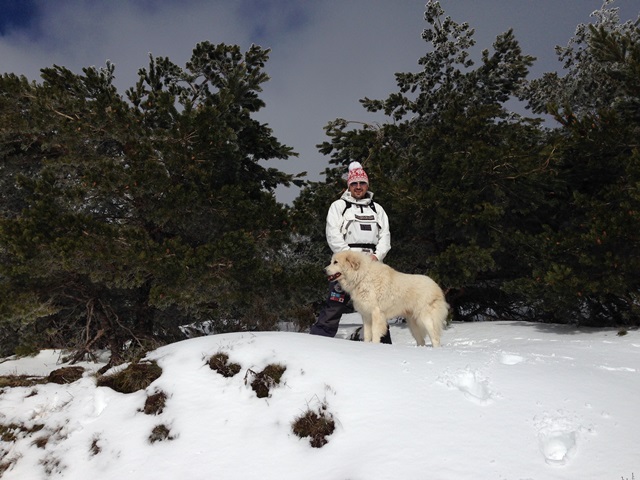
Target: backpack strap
x=346, y=207
x=371, y=205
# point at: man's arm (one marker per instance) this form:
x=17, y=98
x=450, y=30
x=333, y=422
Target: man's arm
x=333, y=230
x=384, y=236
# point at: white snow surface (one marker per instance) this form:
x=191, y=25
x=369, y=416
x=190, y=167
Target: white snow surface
x=498, y=400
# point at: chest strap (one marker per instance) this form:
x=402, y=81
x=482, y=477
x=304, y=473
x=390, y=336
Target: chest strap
x=370, y=246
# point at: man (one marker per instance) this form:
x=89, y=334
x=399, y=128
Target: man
x=354, y=222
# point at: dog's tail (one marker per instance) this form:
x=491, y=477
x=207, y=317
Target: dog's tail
x=449, y=318
x=441, y=314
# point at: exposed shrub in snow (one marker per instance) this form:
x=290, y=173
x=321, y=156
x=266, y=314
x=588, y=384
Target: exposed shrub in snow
x=154, y=405
x=136, y=376
x=317, y=425
x=20, y=381
x=220, y=363
x=266, y=379
x=95, y=447
x=65, y=375
x=160, y=433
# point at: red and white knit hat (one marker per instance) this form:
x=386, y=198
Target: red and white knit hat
x=356, y=174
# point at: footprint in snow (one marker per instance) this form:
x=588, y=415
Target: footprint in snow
x=510, y=359
x=557, y=447
x=470, y=384
x=557, y=438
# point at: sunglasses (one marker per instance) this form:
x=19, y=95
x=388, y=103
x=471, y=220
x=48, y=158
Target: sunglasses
x=358, y=184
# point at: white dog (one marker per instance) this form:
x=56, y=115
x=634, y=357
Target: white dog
x=379, y=293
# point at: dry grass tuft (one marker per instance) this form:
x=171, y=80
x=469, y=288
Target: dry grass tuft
x=154, y=405
x=160, y=433
x=10, y=433
x=136, y=376
x=315, y=425
x=220, y=363
x=6, y=465
x=65, y=375
x=52, y=465
x=20, y=381
x=265, y=380
x=95, y=448
x=41, y=442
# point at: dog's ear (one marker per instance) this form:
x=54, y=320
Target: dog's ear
x=353, y=260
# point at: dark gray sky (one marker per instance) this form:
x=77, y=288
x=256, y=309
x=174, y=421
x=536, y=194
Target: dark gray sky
x=326, y=54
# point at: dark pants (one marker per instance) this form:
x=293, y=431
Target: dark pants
x=336, y=305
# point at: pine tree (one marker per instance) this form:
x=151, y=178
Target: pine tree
x=587, y=264
x=127, y=216
x=457, y=172
x=514, y=219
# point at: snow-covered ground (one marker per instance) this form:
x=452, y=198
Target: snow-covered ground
x=499, y=400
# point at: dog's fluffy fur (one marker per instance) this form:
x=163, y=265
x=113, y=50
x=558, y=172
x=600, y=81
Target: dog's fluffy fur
x=379, y=293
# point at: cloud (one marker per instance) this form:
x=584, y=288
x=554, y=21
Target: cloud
x=16, y=14
x=326, y=54
x=269, y=19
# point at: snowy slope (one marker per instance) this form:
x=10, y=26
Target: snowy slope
x=499, y=400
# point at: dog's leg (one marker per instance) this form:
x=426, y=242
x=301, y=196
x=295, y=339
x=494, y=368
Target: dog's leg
x=417, y=330
x=433, y=331
x=436, y=320
x=366, y=326
x=379, y=325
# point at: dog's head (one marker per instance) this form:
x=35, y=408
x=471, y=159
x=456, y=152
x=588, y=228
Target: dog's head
x=343, y=263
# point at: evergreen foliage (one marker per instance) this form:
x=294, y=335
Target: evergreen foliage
x=513, y=219
x=125, y=217
x=586, y=265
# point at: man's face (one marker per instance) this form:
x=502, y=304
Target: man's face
x=358, y=189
